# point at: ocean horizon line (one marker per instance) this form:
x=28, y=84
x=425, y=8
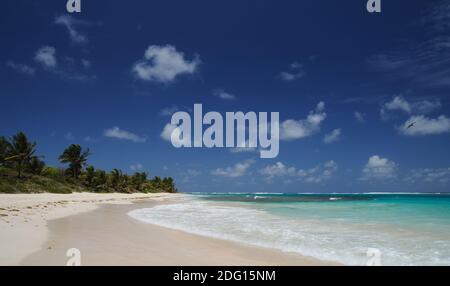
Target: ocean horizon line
x=316, y=193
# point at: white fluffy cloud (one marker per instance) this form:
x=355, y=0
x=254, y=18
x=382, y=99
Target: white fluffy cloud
x=379, y=168
x=428, y=175
x=333, y=136
x=317, y=174
x=220, y=93
x=423, y=125
x=235, y=171
x=136, y=167
x=360, y=117
x=278, y=170
x=418, y=124
x=425, y=106
x=21, y=68
x=167, y=131
x=118, y=133
x=399, y=103
x=46, y=56
x=71, y=25
x=296, y=72
x=164, y=64
x=170, y=129
x=66, y=67
x=296, y=129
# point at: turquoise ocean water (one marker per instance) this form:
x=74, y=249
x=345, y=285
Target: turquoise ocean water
x=406, y=229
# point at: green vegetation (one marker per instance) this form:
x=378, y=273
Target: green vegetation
x=21, y=171
x=76, y=159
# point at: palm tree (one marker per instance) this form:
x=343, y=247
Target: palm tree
x=4, y=149
x=100, y=180
x=90, y=174
x=35, y=166
x=138, y=179
x=124, y=186
x=115, y=178
x=169, y=185
x=21, y=151
x=76, y=158
x=157, y=182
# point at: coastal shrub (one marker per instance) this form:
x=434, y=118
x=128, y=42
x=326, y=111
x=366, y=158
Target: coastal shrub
x=35, y=166
x=100, y=181
x=4, y=171
x=54, y=173
x=6, y=187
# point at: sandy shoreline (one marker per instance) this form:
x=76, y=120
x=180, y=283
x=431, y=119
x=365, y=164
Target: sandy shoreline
x=24, y=218
x=38, y=229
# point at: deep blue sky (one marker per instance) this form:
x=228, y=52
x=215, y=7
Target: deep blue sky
x=391, y=67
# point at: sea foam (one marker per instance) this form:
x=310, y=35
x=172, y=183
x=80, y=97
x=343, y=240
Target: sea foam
x=338, y=240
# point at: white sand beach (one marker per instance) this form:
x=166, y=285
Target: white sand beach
x=38, y=229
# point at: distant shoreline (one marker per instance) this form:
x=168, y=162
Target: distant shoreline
x=24, y=218
x=316, y=193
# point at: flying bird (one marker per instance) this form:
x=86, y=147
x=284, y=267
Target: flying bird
x=411, y=125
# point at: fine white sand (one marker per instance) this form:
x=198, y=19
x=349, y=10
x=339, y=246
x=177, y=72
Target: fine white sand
x=24, y=217
x=38, y=229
